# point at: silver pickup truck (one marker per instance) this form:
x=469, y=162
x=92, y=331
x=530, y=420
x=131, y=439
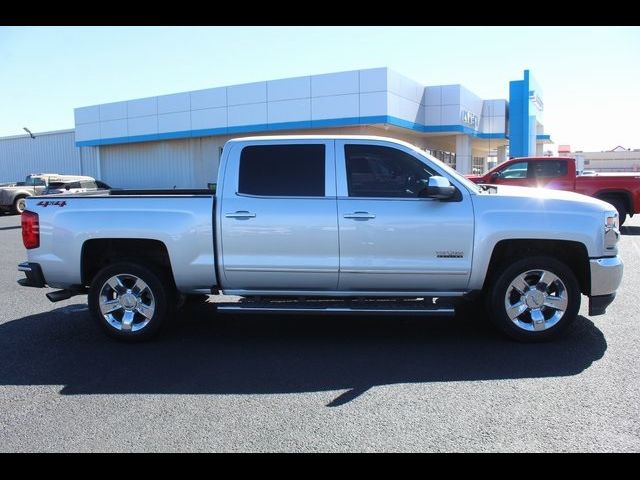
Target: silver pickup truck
x=321, y=224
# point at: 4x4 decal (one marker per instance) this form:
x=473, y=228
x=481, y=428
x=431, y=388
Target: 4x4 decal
x=46, y=203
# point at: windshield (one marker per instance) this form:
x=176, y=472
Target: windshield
x=450, y=171
x=34, y=181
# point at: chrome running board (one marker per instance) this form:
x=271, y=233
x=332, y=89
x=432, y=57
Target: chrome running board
x=392, y=308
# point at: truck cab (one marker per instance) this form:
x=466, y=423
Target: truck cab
x=550, y=172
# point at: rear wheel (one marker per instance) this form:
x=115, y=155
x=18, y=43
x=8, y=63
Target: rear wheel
x=131, y=302
x=19, y=205
x=534, y=299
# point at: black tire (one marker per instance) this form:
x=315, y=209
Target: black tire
x=19, y=205
x=620, y=206
x=159, y=293
x=523, y=328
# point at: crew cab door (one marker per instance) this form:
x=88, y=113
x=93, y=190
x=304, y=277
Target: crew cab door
x=551, y=174
x=535, y=173
x=278, y=217
x=390, y=239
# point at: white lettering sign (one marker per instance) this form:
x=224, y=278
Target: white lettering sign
x=470, y=119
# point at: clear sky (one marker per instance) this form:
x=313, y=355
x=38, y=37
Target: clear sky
x=590, y=76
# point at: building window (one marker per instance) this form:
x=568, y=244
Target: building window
x=445, y=157
x=282, y=170
x=477, y=165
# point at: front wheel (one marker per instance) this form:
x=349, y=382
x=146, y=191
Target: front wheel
x=534, y=299
x=131, y=302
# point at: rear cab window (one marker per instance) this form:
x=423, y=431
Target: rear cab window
x=296, y=170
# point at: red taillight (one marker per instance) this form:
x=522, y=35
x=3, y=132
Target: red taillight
x=30, y=230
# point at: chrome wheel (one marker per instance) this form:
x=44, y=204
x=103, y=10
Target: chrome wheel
x=126, y=302
x=536, y=300
x=21, y=205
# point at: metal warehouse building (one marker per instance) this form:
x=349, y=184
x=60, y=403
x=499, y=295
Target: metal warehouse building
x=176, y=140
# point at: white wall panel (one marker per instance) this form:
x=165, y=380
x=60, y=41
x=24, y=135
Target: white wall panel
x=433, y=96
x=494, y=108
x=373, y=80
x=289, y=111
x=142, y=125
x=113, y=129
x=405, y=109
x=495, y=125
x=252, y=114
x=373, y=103
x=113, y=111
x=174, y=122
x=209, y=98
x=451, y=115
x=87, y=131
x=289, y=88
x=335, y=84
x=470, y=101
x=405, y=87
x=142, y=107
x=338, y=106
x=179, y=102
x=247, y=93
x=450, y=94
x=209, y=118
x=433, y=115
x=87, y=114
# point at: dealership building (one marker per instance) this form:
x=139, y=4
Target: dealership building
x=176, y=140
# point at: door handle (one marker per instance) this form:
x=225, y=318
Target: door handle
x=360, y=215
x=240, y=215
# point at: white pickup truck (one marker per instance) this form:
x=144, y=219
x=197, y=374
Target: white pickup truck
x=328, y=224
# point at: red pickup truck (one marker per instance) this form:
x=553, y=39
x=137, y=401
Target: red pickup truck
x=559, y=173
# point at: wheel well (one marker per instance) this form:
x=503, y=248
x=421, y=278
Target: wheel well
x=573, y=254
x=617, y=194
x=98, y=253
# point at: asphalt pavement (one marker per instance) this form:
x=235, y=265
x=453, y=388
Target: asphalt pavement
x=322, y=384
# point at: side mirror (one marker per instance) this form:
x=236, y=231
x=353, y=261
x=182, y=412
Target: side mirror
x=438, y=187
x=494, y=176
x=67, y=187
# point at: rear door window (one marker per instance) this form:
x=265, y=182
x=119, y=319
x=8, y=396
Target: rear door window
x=550, y=169
x=282, y=170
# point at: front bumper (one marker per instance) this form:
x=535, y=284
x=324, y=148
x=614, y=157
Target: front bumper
x=606, y=275
x=35, y=278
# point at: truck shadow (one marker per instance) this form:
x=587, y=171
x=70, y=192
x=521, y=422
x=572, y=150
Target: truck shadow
x=265, y=355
